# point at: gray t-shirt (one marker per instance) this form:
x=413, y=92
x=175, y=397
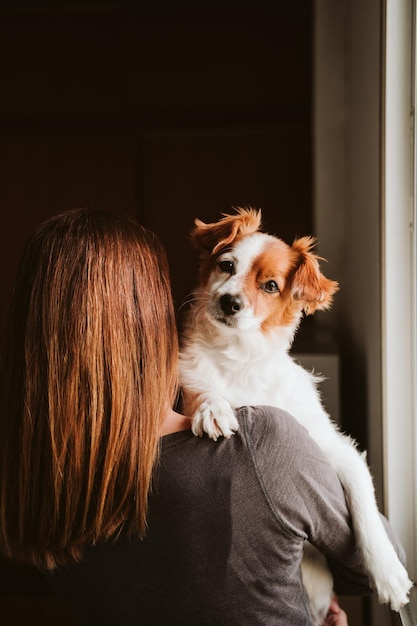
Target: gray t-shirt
x=227, y=523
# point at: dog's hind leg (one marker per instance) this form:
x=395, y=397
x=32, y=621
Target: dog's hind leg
x=318, y=583
x=387, y=574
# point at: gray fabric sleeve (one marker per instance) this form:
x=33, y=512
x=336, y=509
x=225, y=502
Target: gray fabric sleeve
x=305, y=493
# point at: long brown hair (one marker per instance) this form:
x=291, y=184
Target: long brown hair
x=90, y=368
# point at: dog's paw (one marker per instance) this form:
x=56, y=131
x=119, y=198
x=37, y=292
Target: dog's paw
x=216, y=418
x=393, y=585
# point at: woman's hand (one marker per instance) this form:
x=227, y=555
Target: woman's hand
x=335, y=616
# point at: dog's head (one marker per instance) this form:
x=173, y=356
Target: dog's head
x=254, y=280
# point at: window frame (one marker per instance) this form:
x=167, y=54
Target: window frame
x=399, y=275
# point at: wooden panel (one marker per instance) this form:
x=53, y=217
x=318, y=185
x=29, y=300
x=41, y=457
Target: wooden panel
x=41, y=176
x=35, y=611
x=164, y=55
x=202, y=174
x=206, y=87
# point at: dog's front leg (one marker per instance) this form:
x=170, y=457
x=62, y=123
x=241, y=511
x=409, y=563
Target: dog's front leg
x=212, y=414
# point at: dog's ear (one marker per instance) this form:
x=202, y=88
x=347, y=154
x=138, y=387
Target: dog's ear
x=308, y=284
x=210, y=238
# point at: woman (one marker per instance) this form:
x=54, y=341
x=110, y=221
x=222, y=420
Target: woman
x=103, y=486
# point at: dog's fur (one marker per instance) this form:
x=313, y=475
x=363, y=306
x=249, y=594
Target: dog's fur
x=253, y=291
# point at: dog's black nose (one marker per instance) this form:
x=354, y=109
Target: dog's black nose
x=230, y=304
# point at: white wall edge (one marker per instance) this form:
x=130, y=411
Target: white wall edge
x=398, y=290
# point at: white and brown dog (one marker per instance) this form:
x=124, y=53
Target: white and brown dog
x=252, y=294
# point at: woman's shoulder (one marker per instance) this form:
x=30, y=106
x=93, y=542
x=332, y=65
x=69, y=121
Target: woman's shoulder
x=264, y=421
x=270, y=432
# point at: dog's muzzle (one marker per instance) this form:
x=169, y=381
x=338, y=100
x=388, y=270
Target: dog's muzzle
x=230, y=305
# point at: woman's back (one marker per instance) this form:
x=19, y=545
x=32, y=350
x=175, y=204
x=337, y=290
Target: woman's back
x=227, y=523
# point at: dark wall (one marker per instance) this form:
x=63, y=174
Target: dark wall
x=169, y=113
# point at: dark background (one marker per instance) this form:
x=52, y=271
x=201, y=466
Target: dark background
x=166, y=111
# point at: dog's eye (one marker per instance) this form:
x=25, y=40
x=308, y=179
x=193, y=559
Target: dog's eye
x=270, y=286
x=226, y=266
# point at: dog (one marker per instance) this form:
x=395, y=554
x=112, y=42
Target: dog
x=253, y=292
